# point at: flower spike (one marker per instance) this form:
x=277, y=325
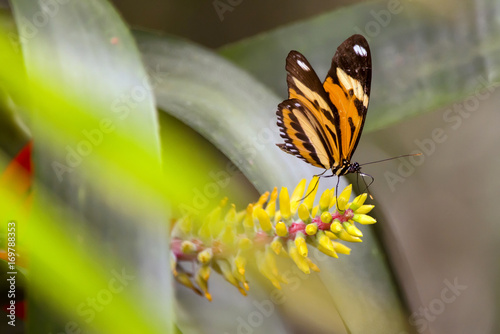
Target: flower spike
x=226, y=239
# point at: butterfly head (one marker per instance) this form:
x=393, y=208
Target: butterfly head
x=354, y=168
x=346, y=168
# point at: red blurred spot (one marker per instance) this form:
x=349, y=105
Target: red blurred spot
x=20, y=309
x=18, y=176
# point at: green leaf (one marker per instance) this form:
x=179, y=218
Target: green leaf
x=98, y=227
x=424, y=54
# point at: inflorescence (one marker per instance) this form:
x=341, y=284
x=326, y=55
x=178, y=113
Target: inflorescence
x=226, y=242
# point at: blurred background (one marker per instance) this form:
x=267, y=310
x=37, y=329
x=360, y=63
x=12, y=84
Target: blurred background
x=435, y=90
x=440, y=220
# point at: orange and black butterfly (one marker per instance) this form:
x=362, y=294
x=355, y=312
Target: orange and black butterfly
x=321, y=123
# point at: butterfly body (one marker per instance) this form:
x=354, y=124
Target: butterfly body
x=321, y=123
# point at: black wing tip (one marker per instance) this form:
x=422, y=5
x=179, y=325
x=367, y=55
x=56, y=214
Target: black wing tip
x=295, y=54
x=292, y=58
x=354, y=57
x=357, y=38
x=297, y=63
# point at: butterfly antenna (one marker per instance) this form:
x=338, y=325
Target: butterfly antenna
x=399, y=156
x=377, y=161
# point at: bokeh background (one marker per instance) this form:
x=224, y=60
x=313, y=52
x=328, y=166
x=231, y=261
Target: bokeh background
x=435, y=90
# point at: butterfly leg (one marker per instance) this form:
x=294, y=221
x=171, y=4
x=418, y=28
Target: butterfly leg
x=337, y=194
x=316, y=185
x=357, y=183
x=367, y=186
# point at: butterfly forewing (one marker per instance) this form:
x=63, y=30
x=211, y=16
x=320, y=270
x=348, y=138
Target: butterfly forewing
x=348, y=86
x=322, y=123
x=308, y=101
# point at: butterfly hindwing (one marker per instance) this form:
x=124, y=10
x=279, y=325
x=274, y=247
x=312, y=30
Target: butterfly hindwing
x=302, y=133
x=322, y=122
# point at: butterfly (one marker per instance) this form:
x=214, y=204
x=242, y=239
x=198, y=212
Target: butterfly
x=321, y=123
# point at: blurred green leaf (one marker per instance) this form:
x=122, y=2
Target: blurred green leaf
x=426, y=55
x=100, y=197
x=13, y=135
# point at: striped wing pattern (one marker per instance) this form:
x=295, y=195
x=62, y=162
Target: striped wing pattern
x=322, y=123
x=303, y=134
x=348, y=85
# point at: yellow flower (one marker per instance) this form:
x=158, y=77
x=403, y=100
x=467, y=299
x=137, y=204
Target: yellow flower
x=226, y=239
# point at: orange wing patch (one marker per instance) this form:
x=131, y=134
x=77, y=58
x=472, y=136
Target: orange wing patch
x=346, y=99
